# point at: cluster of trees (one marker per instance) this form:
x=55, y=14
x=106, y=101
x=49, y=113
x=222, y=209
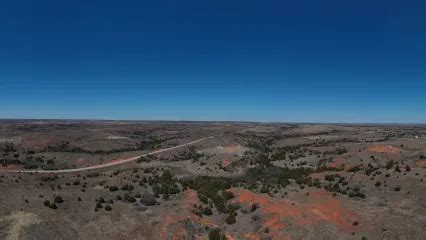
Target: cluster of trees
x=211, y=190
x=64, y=146
x=166, y=184
x=338, y=184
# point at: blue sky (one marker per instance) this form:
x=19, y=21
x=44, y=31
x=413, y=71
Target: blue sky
x=303, y=61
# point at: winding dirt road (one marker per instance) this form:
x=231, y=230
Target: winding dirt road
x=101, y=166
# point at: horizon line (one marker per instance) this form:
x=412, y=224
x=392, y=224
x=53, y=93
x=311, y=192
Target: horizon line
x=187, y=120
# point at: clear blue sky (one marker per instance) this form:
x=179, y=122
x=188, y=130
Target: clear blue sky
x=310, y=61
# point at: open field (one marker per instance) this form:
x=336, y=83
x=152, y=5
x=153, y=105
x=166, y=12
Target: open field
x=211, y=180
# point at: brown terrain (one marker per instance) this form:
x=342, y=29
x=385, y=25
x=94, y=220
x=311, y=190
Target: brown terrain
x=211, y=180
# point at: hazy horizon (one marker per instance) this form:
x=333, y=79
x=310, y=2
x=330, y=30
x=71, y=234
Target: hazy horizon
x=189, y=120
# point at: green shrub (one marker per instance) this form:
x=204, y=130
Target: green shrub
x=211, y=188
x=216, y=234
x=254, y=206
x=407, y=168
x=127, y=187
x=207, y=211
x=230, y=219
x=264, y=189
x=58, y=199
x=389, y=164
x=129, y=198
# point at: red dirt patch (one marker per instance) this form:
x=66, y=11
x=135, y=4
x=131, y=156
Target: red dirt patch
x=360, y=177
x=174, y=224
x=229, y=237
x=226, y=162
x=231, y=149
x=190, y=200
x=80, y=161
x=11, y=167
x=114, y=160
x=382, y=148
x=337, y=163
x=320, y=207
x=421, y=163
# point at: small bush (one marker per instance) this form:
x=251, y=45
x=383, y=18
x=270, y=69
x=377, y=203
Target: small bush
x=264, y=190
x=127, y=187
x=215, y=234
x=207, y=211
x=397, y=169
x=389, y=164
x=407, y=168
x=58, y=199
x=230, y=219
x=254, y=206
x=129, y=198
x=148, y=200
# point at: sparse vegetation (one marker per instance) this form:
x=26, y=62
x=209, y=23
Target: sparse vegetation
x=280, y=175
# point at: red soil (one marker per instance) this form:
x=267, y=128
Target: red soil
x=226, y=162
x=179, y=233
x=190, y=200
x=381, y=148
x=320, y=207
x=12, y=167
x=360, y=178
x=114, y=160
x=174, y=223
x=229, y=237
x=80, y=161
x=337, y=163
x=421, y=163
x=231, y=149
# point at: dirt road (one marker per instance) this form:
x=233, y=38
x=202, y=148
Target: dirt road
x=101, y=166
